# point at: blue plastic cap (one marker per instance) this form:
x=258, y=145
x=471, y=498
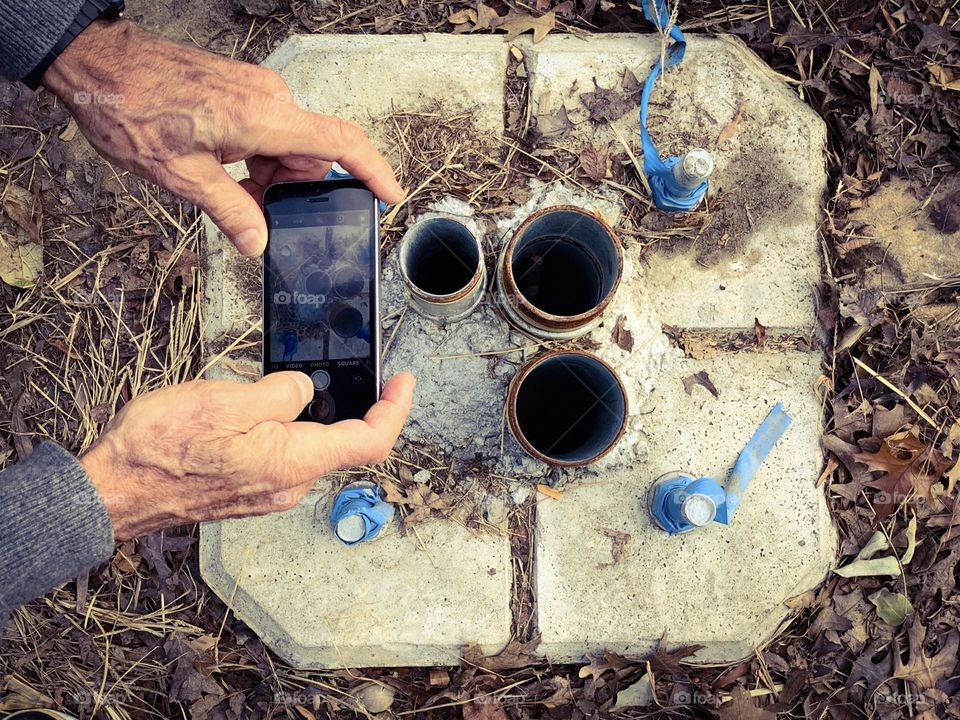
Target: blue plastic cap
x=680, y=503
x=359, y=513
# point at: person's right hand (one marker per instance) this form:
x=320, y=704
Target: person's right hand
x=174, y=114
x=209, y=449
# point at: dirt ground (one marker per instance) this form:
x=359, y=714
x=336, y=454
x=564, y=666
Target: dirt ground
x=116, y=312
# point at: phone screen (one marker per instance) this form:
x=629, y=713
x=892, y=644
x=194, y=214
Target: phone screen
x=320, y=294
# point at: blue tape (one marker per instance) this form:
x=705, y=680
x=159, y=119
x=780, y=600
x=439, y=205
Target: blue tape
x=668, y=194
x=753, y=455
x=366, y=502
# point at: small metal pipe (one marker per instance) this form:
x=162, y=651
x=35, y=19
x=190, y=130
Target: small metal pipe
x=567, y=408
x=442, y=266
x=559, y=272
x=693, y=168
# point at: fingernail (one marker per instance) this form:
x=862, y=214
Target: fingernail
x=250, y=242
x=306, y=387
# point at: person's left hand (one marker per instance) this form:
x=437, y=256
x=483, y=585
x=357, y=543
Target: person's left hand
x=212, y=449
x=174, y=114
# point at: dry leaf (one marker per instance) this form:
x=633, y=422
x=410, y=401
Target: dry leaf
x=892, y=608
x=945, y=213
x=595, y=162
x=874, y=82
x=760, y=332
x=21, y=253
x=619, y=546
x=700, y=378
x=20, y=264
x=487, y=17
x=373, y=697
x=304, y=713
x=667, y=662
x=731, y=128
x=865, y=565
x=485, y=709
x=621, y=336
x=925, y=672
x=383, y=25
x=515, y=655
x=742, y=707
x=549, y=491
x=463, y=16
x=945, y=77
x=952, y=475
x=639, y=694
x=562, y=694
x=555, y=123
x=907, y=464
x=517, y=23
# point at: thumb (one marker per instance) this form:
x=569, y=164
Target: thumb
x=232, y=208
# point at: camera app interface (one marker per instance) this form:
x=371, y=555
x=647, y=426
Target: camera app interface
x=320, y=302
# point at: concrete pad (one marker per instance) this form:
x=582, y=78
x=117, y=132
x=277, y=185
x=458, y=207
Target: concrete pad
x=719, y=586
x=918, y=246
x=756, y=256
x=363, y=77
x=390, y=602
x=394, y=602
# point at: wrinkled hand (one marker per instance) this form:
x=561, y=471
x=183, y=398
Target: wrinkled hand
x=207, y=450
x=174, y=114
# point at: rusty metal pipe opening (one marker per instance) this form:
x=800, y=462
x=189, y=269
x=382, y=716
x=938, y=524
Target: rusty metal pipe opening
x=441, y=263
x=567, y=408
x=559, y=272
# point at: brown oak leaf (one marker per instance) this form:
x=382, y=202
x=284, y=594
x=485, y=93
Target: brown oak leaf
x=517, y=23
x=666, y=662
x=595, y=161
x=742, y=707
x=487, y=17
x=925, y=672
x=907, y=465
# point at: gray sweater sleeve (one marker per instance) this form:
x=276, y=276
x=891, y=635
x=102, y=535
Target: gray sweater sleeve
x=53, y=525
x=28, y=29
